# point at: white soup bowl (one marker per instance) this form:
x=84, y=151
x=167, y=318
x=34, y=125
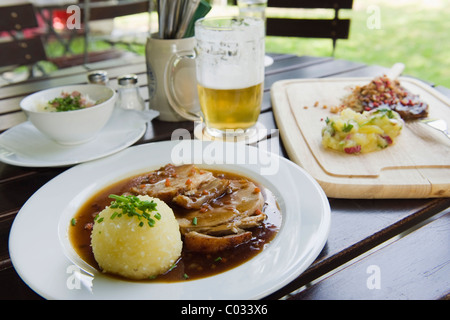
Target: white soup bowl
x=70, y=127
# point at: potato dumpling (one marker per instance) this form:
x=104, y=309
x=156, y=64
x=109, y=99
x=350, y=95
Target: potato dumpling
x=136, y=246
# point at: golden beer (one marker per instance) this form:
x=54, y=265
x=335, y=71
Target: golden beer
x=230, y=109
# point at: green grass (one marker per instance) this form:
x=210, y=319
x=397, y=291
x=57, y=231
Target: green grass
x=410, y=32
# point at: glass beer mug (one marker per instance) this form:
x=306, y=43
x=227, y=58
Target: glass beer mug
x=229, y=59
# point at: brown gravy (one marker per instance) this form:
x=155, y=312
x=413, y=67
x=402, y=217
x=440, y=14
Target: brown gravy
x=191, y=265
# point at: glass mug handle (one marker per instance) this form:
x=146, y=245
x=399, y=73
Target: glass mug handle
x=169, y=84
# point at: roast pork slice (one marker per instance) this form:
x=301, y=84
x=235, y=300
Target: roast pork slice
x=228, y=214
x=198, y=242
x=217, y=211
x=169, y=181
x=209, y=189
x=236, y=226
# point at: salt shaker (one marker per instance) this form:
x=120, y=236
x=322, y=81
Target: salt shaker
x=98, y=77
x=128, y=93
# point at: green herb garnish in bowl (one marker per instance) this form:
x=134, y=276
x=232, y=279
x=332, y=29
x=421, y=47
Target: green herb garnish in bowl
x=69, y=102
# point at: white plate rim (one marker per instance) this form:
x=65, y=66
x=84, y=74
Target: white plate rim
x=300, y=240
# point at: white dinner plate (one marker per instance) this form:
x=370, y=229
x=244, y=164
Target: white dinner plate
x=44, y=258
x=23, y=145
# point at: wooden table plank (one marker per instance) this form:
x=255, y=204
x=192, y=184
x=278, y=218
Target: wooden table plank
x=358, y=225
x=392, y=271
x=12, y=119
x=367, y=71
x=13, y=288
x=78, y=75
x=10, y=104
x=294, y=62
x=320, y=70
x=31, y=87
x=113, y=63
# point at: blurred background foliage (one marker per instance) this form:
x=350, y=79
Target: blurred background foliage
x=382, y=32
x=413, y=32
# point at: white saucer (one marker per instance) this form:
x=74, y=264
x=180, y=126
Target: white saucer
x=23, y=145
x=268, y=61
x=256, y=133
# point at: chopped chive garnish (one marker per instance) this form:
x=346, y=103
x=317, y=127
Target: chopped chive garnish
x=194, y=221
x=133, y=206
x=73, y=222
x=347, y=127
x=172, y=267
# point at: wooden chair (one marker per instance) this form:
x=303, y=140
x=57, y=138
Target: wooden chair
x=334, y=29
x=20, y=50
x=90, y=10
x=101, y=9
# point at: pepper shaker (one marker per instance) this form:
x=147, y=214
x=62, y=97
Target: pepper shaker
x=128, y=93
x=98, y=77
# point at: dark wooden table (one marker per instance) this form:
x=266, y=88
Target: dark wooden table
x=404, y=243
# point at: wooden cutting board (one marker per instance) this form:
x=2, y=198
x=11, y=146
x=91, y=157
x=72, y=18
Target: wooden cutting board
x=416, y=166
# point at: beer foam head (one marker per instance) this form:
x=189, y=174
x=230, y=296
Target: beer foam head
x=230, y=52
